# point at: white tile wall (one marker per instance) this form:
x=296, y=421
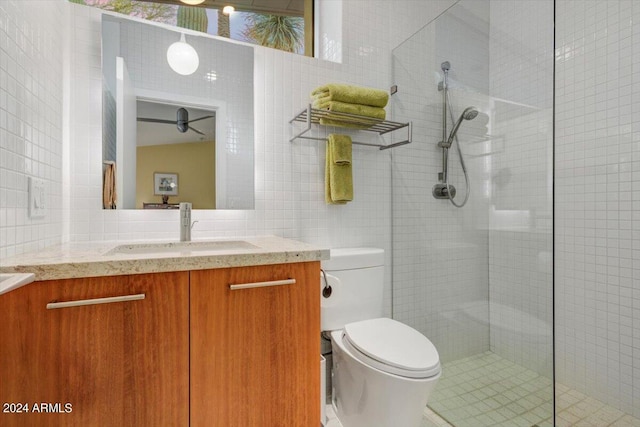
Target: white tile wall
x=85, y=123
x=31, y=100
x=597, y=201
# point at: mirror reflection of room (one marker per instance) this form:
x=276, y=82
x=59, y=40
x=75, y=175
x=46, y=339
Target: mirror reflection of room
x=209, y=110
x=175, y=140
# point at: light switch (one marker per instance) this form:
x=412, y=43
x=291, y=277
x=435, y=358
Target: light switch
x=37, y=198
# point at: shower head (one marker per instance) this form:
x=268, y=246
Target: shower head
x=469, y=113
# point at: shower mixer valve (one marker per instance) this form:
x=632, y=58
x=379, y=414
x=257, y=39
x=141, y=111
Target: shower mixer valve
x=441, y=191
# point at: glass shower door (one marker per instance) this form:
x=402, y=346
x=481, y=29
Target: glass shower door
x=477, y=280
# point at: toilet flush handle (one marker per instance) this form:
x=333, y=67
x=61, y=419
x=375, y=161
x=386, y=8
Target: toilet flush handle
x=326, y=291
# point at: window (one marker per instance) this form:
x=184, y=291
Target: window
x=289, y=28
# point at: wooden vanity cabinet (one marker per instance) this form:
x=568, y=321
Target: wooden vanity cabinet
x=255, y=351
x=112, y=364
x=193, y=352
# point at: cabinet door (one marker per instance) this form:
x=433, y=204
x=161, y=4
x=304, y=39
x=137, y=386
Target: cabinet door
x=111, y=364
x=255, y=352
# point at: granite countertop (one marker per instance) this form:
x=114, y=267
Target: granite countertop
x=94, y=259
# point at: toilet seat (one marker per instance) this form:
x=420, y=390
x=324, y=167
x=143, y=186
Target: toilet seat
x=392, y=347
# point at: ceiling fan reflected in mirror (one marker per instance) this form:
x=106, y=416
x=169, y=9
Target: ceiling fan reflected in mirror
x=182, y=121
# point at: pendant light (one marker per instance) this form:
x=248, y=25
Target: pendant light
x=192, y=2
x=182, y=57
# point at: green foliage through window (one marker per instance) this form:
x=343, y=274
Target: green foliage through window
x=279, y=32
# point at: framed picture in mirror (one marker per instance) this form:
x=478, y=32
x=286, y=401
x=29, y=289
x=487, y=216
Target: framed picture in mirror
x=165, y=184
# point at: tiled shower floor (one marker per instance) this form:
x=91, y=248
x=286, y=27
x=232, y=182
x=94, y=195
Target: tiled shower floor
x=486, y=390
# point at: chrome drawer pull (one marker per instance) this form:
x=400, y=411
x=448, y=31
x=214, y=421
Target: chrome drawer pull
x=94, y=301
x=262, y=284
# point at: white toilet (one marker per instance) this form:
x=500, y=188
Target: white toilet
x=383, y=370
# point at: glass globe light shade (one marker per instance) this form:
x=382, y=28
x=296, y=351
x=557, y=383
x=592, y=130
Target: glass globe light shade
x=192, y=2
x=182, y=57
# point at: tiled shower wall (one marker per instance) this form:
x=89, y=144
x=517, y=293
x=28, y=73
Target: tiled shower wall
x=597, y=200
x=31, y=101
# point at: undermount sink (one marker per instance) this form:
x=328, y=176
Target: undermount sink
x=10, y=281
x=183, y=247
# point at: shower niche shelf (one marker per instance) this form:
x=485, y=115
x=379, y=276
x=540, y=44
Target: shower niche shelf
x=311, y=116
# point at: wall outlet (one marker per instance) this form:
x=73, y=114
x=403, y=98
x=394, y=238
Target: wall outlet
x=37, y=198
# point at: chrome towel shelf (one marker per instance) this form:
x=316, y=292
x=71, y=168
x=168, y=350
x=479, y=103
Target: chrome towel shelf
x=312, y=115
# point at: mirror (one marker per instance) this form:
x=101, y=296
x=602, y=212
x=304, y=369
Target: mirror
x=160, y=125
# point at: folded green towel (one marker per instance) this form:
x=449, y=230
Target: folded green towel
x=324, y=103
x=353, y=94
x=338, y=179
x=348, y=122
x=340, y=146
x=342, y=123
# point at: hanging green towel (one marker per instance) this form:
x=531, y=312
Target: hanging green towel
x=352, y=94
x=327, y=184
x=340, y=146
x=338, y=180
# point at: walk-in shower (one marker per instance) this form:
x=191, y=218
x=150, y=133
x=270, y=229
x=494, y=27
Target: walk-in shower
x=445, y=190
x=477, y=281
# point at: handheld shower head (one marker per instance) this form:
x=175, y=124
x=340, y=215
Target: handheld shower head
x=469, y=113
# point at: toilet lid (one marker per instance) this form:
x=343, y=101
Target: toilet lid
x=393, y=347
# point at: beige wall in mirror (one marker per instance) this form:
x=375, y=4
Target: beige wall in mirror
x=189, y=161
x=163, y=148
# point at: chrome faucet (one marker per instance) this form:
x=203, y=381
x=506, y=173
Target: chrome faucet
x=185, y=222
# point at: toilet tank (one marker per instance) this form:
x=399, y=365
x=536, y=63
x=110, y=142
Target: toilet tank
x=356, y=277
